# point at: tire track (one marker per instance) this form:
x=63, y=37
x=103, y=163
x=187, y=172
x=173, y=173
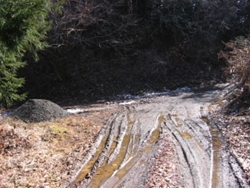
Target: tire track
x=121, y=156
x=122, y=147
x=191, y=154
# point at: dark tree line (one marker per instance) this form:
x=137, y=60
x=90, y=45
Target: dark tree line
x=150, y=38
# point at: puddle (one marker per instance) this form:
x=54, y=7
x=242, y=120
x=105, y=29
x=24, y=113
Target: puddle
x=217, y=145
x=106, y=170
x=155, y=135
x=88, y=167
x=178, y=121
x=123, y=171
x=137, y=158
x=186, y=135
x=205, y=119
x=129, y=155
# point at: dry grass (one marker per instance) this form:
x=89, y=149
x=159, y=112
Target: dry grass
x=45, y=154
x=237, y=54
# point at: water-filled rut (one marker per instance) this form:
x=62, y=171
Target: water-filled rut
x=122, y=153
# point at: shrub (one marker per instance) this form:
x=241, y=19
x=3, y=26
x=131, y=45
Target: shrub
x=237, y=54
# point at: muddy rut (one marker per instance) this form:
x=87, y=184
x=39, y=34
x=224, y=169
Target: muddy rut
x=122, y=152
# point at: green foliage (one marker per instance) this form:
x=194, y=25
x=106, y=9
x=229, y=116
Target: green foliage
x=23, y=27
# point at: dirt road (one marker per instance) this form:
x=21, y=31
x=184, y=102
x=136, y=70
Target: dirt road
x=124, y=150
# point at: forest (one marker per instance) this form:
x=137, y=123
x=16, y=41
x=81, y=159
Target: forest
x=79, y=51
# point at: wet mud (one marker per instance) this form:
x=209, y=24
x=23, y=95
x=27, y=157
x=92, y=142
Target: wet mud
x=121, y=155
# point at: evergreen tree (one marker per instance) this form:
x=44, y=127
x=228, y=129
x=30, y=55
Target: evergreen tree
x=23, y=27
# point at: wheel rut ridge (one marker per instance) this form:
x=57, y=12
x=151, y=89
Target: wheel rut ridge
x=238, y=172
x=120, y=151
x=200, y=131
x=92, y=160
x=183, y=158
x=110, y=143
x=133, y=172
x=189, y=157
x=124, y=149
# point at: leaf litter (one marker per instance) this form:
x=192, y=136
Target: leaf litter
x=46, y=154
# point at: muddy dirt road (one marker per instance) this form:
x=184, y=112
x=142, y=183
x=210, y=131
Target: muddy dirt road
x=124, y=149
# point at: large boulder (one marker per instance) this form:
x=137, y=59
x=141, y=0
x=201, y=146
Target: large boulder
x=37, y=110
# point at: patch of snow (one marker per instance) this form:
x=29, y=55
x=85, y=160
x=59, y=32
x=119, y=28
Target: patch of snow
x=183, y=89
x=75, y=111
x=5, y=114
x=129, y=96
x=128, y=102
x=225, y=101
x=153, y=94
